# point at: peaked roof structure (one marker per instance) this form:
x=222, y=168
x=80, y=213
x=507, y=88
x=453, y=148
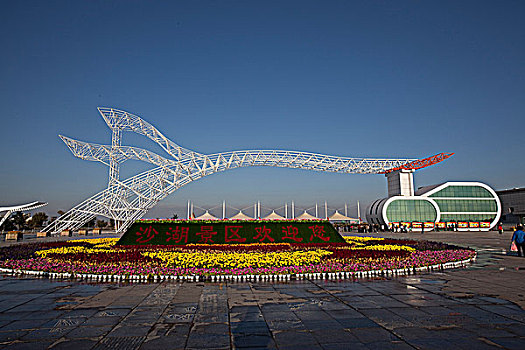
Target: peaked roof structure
x=206, y=216
x=306, y=216
x=241, y=216
x=273, y=216
x=337, y=216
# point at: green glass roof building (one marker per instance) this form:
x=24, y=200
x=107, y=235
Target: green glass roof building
x=446, y=202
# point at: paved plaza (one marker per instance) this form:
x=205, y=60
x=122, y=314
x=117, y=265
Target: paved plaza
x=474, y=308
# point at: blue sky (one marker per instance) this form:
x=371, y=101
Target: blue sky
x=352, y=78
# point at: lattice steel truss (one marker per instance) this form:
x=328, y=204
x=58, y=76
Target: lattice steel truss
x=128, y=200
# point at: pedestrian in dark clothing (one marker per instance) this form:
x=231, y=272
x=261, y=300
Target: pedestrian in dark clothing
x=519, y=238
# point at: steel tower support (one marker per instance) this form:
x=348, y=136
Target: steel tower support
x=128, y=200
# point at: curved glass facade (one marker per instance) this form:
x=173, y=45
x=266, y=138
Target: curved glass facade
x=410, y=210
x=450, y=202
x=459, y=205
x=463, y=191
x=467, y=205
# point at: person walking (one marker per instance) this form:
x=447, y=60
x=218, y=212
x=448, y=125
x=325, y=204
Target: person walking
x=500, y=228
x=519, y=238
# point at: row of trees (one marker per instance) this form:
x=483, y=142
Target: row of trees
x=21, y=221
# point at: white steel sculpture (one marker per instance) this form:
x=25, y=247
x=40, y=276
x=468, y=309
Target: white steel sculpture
x=21, y=207
x=128, y=200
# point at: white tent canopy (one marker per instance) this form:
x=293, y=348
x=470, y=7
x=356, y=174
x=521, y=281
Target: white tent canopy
x=306, y=216
x=206, y=216
x=273, y=216
x=241, y=216
x=337, y=216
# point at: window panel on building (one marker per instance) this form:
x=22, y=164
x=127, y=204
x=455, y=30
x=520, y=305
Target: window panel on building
x=466, y=205
x=463, y=191
x=410, y=210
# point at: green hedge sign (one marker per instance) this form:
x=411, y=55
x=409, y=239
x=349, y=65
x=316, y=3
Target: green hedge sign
x=175, y=232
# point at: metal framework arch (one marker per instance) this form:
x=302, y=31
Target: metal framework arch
x=128, y=200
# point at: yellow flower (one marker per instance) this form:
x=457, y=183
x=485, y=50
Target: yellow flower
x=361, y=240
x=73, y=250
x=386, y=247
x=225, y=259
x=99, y=242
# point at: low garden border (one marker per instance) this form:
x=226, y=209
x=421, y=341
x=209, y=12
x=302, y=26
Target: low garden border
x=230, y=251
x=240, y=278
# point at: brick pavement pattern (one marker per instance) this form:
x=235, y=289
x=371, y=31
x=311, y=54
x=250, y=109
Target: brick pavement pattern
x=476, y=308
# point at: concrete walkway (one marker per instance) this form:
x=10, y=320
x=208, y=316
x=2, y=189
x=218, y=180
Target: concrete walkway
x=474, y=308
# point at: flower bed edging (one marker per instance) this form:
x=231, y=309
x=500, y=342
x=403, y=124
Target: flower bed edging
x=239, y=278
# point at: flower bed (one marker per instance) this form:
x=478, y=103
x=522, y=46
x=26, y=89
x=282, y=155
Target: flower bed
x=104, y=257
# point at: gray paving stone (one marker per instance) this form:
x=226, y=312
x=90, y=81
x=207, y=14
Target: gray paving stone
x=46, y=334
x=372, y=335
x=208, y=340
x=432, y=343
x=450, y=309
x=11, y=335
x=301, y=347
x=30, y=345
x=211, y=318
x=63, y=322
x=258, y=327
x=88, y=332
x=408, y=333
x=253, y=341
x=313, y=315
x=177, y=318
x=480, y=343
x=245, y=309
x=347, y=313
x=344, y=346
x=44, y=315
x=509, y=343
x=127, y=343
x=23, y=325
x=78, y=313
x=129, y=331
x=102, y=321
x=289, y=338
x=9, y=316
x=329, y=336
x=178, y=330
x=275, y=308
x=386, y=318
x=112, y=312
x=285, y=325
x=394, y=345
x=182, y=308
x=244, y=317
x=322, y=324
x=157, y=343
x=76, y=344
x=280, y=316
x=357, y=323
x=211, y=328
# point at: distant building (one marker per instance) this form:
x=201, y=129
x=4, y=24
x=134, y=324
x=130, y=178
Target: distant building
x=472, y=205
x=513, y=205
